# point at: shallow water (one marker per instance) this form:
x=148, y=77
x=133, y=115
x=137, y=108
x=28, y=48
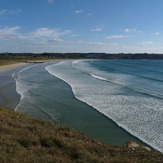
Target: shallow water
x=46, y=97
x=129, y=92
x=9, y=98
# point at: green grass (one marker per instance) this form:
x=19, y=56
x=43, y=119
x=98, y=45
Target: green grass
x=13, y=60
x=27, y=140
x=8, y=62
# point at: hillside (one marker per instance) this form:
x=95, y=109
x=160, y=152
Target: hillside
x=24, y=140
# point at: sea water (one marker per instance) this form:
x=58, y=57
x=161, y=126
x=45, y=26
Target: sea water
x=129, y=92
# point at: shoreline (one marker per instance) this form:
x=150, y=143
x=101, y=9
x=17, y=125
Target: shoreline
x=14, y=65
x=10, y=67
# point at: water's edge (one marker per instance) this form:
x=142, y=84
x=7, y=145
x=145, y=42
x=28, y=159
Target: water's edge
x=137, y=138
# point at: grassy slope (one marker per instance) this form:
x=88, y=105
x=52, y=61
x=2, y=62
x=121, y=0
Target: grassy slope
x=23, y=139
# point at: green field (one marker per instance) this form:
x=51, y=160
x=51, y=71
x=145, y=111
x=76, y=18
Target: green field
x=18, y=59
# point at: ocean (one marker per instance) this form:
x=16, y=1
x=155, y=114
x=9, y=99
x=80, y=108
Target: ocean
x=111, y=100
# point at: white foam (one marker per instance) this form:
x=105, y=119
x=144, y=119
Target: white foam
x=135, y=112
x=98, y=77
x=141, y=90
x=22, y=86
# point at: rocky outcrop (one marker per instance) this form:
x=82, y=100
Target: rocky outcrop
x=132, y=144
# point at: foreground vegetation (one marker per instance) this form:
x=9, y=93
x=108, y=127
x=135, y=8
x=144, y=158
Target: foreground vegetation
x=24, y=140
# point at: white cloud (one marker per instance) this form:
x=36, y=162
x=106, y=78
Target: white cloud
x=157, y=33
x=75, y=35
x=78, y=11
x=43, y=36
x=82, y=42
x=5, y=11
x=115, y=36
x=60, y=40
x=147, y=43
x=96, y=30
x=127, y=30
x=50, y=1
x=37, y=37
x=127, y=47
x=28, y=42
x=46, y=32
x=10, y=33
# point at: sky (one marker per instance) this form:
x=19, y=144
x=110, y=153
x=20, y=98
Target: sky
x=109, y=26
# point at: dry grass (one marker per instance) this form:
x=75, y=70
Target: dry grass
x=27, y=140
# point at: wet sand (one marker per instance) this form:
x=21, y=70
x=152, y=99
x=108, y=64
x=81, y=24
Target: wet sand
x=8, y=95
x=9, y=98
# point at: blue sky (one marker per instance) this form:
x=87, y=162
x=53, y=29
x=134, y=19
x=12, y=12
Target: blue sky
x=110, y=26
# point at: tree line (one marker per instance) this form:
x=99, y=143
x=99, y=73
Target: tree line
x=80, y=56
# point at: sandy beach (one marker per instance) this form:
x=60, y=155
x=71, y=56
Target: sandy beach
x=9, y=98
x=11, y=66
x=8, y=95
